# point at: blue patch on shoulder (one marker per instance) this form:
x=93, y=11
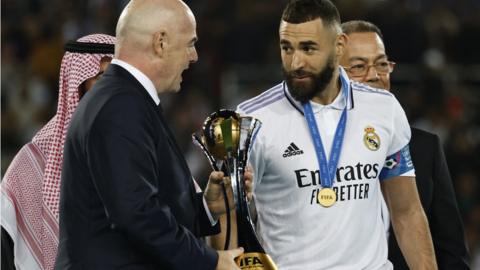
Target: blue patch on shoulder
x=397, y=164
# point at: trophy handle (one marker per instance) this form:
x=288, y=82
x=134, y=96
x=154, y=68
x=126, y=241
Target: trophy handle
x=249, y=127
x=199, y=143
x=215, y=167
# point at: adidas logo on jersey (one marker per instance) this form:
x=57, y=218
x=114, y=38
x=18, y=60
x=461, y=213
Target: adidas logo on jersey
x=292, y=150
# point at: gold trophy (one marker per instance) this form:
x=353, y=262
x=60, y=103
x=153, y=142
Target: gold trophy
x=226, y=140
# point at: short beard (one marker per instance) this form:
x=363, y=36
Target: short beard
x=304, y=92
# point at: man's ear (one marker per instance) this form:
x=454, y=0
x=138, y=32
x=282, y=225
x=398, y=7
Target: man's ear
x=341, y=44
x=160, y=43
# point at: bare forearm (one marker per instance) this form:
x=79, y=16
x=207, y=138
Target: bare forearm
x=414, y=239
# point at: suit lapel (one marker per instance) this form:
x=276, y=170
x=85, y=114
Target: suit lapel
x=176, y=148
x=171, y=137
x=118, y=71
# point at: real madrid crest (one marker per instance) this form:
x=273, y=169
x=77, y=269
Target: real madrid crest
x=371, y=139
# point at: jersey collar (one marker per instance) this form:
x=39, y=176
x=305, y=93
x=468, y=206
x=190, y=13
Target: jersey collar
x=338, y=103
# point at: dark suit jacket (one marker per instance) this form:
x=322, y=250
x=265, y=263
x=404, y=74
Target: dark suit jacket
x=6, y=258
x=438, y=200
x=127, y=196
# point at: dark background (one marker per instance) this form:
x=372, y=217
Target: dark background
x=434, y=43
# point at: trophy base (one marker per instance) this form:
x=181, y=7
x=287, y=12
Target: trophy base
x=255, y=261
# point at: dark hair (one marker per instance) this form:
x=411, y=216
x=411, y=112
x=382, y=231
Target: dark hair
x=351, y=27
x=300, y=11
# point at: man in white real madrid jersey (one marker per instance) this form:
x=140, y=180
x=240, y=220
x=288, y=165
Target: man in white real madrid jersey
x=326, y=150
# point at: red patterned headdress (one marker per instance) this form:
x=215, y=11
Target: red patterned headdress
x=31, y=186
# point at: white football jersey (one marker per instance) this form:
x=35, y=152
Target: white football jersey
x=293, y=228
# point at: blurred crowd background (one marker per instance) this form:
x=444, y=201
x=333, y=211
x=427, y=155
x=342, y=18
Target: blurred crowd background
x=435, y=44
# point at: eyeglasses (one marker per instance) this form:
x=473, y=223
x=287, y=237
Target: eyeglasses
x=360, y=70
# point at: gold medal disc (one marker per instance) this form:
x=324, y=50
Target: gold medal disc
x=327, y=197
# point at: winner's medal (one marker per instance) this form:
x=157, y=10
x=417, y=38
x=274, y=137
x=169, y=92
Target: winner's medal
x=327, y=197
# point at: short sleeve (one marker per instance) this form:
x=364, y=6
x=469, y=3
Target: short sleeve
x=401, y=132
x=398, y=161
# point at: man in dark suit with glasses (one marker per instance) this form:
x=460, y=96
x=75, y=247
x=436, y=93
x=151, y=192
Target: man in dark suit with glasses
x=365, y=61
